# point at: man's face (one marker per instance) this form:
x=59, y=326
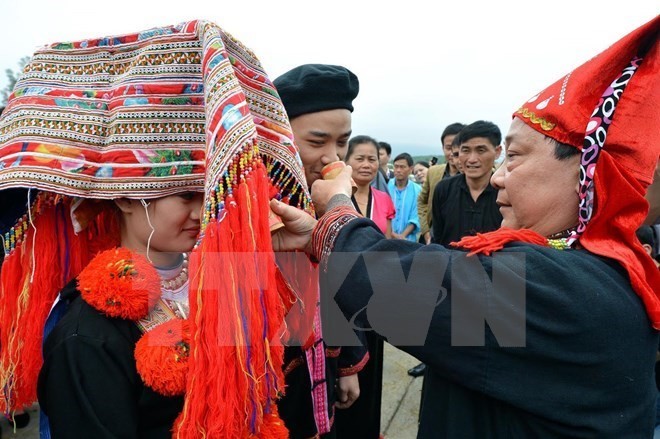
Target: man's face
x=446, y=149
x=383, y=158
x=402, y=170
x=321, y=138
x=536, y=191
x=477, y=156
x=455, y=151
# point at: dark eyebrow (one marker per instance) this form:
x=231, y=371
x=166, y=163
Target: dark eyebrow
x=319, y=134
x=347, y=134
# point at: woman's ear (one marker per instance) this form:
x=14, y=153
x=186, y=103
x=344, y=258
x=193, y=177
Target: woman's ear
x=126, y=205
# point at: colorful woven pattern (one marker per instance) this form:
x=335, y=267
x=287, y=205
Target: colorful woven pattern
x=133, y=115
x=169, y=110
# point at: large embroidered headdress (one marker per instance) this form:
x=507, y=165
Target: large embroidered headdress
x=172, y=109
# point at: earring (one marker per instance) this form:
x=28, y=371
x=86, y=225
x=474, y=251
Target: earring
x=146, y=211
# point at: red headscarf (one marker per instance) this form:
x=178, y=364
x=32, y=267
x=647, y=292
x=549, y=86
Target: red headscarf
x=612, y=100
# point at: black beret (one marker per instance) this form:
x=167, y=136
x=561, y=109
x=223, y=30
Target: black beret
x=317, y=87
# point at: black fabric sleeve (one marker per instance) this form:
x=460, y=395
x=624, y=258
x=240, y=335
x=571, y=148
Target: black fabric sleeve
x=583, y=327
x=352, y=359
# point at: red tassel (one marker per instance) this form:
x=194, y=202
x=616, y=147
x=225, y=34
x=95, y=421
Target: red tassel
x=235, y=309
x=26, y=304
x=486, y=243
x=31, y=277
x=273, y=427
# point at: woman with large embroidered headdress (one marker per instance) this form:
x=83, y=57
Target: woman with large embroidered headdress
x=143, y=262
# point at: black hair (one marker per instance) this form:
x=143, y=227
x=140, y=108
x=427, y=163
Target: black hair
x=423, y=163
x=404, y=156
x=359, y=140
x=481, y=128
x=562, y=150
x=646, y=235
x=386, y=146
x=451, y=130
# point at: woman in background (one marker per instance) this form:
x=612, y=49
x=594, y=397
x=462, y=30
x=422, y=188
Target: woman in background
x=362, y=419
x=420, y=170
x=362, y=156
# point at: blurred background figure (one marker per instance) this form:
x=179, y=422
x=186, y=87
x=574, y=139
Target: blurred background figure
x=420, y=170
x=384, y=154
x=404, y=193
x=433, y=176
x=362, y=419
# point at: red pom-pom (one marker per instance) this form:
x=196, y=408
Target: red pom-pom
x=120, y=283
x=161, y=357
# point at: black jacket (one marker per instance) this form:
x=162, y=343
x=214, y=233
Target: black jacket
x=584, y=370
x=89, y=386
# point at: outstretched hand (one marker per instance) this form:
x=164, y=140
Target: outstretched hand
x=297, y=231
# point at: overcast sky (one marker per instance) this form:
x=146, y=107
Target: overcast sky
x=420, y=67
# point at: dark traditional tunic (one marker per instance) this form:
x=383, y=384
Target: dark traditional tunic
x=455, y=214
x=89, y=386
x=296, y=408
x=586, y=366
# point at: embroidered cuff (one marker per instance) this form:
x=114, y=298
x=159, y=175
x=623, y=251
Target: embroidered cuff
x=347, y=371
x=327, y=229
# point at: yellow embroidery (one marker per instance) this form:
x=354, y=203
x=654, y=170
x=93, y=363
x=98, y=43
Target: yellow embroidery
x=545, y=124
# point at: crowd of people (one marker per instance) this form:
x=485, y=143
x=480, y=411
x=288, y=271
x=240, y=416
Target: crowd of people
x=172, y=238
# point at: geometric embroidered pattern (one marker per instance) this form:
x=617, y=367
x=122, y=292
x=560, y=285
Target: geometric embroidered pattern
x=145, y=115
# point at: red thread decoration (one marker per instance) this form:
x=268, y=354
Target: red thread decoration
x=161, y=357
x=120, y=283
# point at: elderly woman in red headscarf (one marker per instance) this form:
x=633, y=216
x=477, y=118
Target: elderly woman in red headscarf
x=548, y=326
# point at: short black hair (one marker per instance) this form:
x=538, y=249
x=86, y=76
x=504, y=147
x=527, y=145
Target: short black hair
x=404, y=156
x=359, y=140
x=451, y=130
x=563, y=151
x=386, y=146
x=481, y=128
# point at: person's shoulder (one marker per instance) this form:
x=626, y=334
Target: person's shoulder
x=574, y=282
x=380, y=195
x=573, y=265
x=436, y=170
x=84, y=322
x=450, y=182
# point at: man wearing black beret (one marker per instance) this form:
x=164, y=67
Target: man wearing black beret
x=318, y=99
